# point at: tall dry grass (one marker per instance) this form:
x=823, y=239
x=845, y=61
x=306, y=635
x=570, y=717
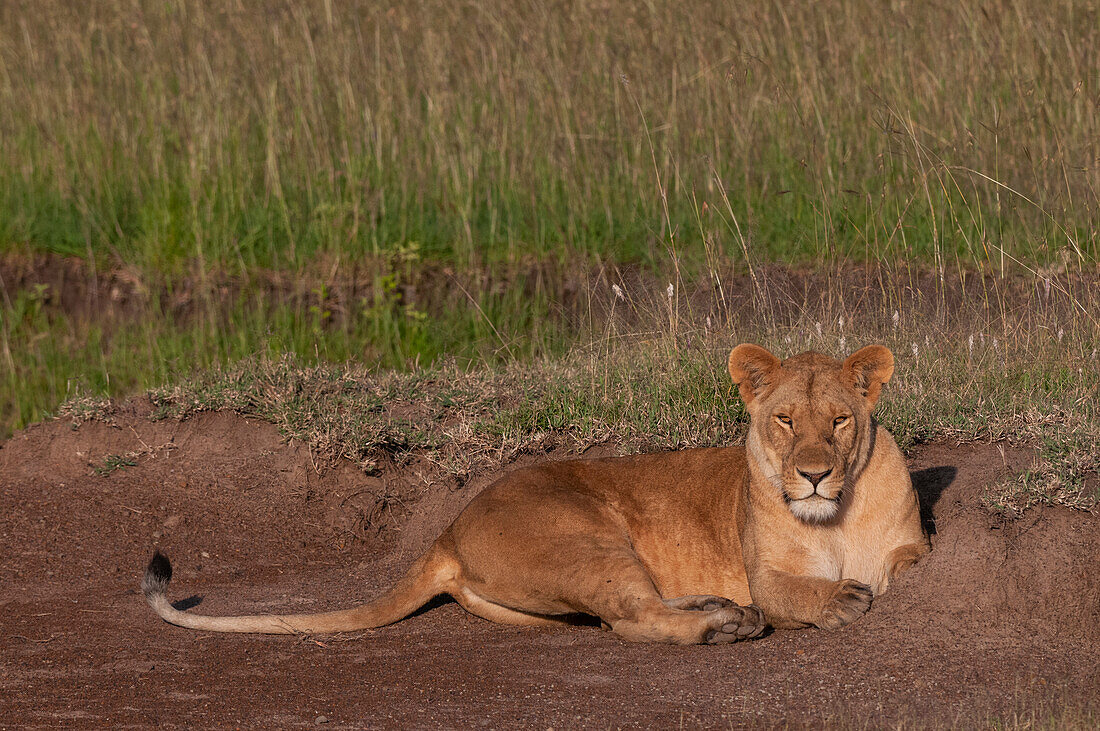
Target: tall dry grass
x=191, y=134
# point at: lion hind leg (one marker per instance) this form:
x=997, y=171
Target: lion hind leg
x=623, y=595
x=712, y=623
x=577, y=563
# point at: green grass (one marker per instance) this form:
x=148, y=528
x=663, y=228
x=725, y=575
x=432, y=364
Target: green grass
x=51, y=355
x=114, y=462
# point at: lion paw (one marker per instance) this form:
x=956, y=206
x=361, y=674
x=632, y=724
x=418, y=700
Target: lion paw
x=734, y=623
x=698, y=602
x=848, y=603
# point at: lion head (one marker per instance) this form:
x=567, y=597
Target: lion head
x=811, y=432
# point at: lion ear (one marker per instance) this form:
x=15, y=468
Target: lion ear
x=868, y=369
x=752, y=369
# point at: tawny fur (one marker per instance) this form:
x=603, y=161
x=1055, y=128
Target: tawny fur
x=801, y=527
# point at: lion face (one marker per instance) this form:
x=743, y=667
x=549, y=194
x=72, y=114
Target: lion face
x=811, y=430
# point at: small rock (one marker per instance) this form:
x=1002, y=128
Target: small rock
x=320, y=719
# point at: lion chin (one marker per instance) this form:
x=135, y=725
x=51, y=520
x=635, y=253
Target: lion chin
x=814, y=509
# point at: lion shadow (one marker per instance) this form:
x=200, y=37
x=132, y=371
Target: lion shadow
x=930, y=484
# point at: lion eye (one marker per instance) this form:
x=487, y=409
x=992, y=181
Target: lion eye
x=784, y=420
x=839, y=420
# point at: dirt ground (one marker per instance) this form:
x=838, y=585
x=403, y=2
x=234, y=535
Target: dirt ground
x=999, y=620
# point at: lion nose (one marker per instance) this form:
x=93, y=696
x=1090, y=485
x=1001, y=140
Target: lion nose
x=815, y=477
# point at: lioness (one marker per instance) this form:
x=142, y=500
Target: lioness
x=802, y=526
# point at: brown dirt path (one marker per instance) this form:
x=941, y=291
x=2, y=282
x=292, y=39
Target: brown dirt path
x=1000, y=619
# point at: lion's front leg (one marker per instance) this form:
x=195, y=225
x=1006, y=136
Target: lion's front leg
x=790, y=601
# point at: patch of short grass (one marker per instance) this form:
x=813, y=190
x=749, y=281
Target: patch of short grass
x=114, y=462
x=82, y=408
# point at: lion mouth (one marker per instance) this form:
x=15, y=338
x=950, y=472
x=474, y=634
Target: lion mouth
x=813, y=496
x=819, y=496
x=814, y=500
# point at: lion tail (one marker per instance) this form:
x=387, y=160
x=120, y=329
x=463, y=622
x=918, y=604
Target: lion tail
x=431, y=575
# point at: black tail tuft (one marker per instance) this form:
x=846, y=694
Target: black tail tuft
x=157, y=575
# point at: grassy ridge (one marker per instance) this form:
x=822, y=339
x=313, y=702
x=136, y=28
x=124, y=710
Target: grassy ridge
x=48, y=354
x=666, y=394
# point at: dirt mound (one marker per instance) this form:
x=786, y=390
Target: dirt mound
x=989, y=580
x=1000, y=618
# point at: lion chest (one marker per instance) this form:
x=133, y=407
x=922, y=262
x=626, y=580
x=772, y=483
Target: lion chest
x=866, y=558
x=858, y=557
x=836, y=555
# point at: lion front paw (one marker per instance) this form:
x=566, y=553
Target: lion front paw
x=850, y=600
